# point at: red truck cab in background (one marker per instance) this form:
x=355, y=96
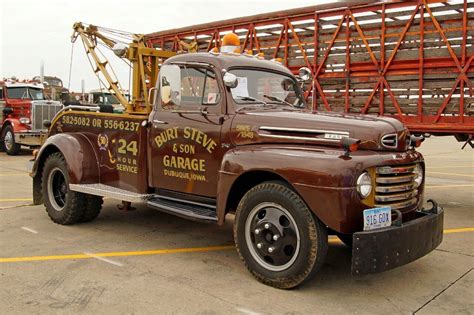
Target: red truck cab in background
x=23, y=110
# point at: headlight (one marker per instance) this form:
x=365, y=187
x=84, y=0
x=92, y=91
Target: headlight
x=364, y=185
x=418, y=171
x=25, y=120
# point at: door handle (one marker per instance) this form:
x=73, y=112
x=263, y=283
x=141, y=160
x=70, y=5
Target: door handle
x=159, y=122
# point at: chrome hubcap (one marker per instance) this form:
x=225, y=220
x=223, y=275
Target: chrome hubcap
x=57, y=189
x=8, y=140
x=272, y=236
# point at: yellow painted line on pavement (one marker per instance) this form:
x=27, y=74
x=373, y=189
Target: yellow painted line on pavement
x=449, y=186
x=461, y=230
x=119, y=254
x=453, y=166
x=159, y=251
x=14, y=174
x=16, y=199
x=451, y=174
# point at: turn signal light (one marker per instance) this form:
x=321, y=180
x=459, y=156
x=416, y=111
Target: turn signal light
x=349, y=145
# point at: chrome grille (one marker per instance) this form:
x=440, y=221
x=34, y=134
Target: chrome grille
x=42, y=111
x=390, y=141
x=395, y=186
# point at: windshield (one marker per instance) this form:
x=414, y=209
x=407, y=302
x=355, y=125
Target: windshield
x=25, y=92
x=260, y=87
x=53, y=81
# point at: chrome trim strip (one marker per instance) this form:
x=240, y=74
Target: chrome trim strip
x=399, y=205
x=396, y=197
x=270, y=128
x=395, y=179
x=174, y=210
x=385, y=170
x=393, y=189
x=394, y=141
x=299, y=138
x=109, y=192
x=186, y=201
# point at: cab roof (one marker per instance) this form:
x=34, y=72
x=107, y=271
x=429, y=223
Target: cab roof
x=31, y=84
x=228, y=60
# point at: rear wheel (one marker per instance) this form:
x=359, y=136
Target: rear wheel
x=8, y=137
x=281, y=242
x=62, y=205
x=92, y=208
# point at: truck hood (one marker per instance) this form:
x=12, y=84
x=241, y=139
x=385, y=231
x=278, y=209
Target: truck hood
x=292, y=126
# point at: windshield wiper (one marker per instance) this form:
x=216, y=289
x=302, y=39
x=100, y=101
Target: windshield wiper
x=249, y=98
x=276, y=99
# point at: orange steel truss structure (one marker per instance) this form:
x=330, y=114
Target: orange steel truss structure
x=412, y=60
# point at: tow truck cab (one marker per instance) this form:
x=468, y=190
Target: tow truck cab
x=23, y=111
x=229, y=133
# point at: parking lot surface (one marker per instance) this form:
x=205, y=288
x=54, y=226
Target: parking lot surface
x=145, y=261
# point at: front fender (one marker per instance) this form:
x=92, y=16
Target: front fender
x=313, y=174
x=15, y=123
x=80, y=155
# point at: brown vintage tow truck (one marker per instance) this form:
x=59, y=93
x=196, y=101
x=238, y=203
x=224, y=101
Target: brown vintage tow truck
x=229, y=133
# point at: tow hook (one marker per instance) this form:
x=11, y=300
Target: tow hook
x=435, y=208
x=398, y=220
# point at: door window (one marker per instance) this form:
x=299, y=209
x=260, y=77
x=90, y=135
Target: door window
x=199, y=87
x=185, y=86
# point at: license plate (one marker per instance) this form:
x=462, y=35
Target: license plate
x=377, y=218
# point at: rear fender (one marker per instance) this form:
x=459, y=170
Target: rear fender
x=80, y=155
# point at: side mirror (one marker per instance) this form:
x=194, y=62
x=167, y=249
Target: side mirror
x=151, y=99
x=7, y=111
x=305, y=74
x=230, y=80
x=170, y=85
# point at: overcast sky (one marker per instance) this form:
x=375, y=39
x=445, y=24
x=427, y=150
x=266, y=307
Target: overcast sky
x=33, y=31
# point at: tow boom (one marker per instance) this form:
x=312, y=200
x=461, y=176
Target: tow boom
x=144, y=62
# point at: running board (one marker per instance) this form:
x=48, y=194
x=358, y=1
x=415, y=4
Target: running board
x=182, y=208
x=109, y=192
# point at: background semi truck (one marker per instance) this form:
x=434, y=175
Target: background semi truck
x=24, y=109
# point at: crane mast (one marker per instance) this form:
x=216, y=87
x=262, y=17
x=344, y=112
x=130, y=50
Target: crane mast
x=144, y=61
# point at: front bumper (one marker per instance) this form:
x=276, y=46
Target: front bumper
x=384, y=249
x=30, y=138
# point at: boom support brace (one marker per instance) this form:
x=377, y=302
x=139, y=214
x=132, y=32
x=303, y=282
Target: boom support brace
x=144, y=61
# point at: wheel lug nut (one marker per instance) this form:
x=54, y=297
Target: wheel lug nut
x=275, y=237
x=259, y=245
x=271, y=249
x=267, y=225
x=257, y=231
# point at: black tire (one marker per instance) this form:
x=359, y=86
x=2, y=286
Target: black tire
x=274, y=209
x=92, y=208
x=8, y=141
x=62, y=205
x=346, y=239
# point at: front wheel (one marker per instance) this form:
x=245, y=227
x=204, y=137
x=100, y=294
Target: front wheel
x=9, y=144
x=280, y=241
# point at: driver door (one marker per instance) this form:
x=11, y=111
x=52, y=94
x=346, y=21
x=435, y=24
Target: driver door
x=185, y=135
